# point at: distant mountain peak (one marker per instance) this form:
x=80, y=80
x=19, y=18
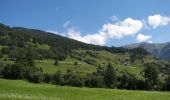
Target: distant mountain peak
x=160, y=50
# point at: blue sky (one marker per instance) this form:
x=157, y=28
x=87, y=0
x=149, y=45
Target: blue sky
x=103, y=22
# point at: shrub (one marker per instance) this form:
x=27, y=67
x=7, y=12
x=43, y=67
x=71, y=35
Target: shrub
x=47, y=78
x=75, y=63
x=58, y=78
x=16, y=71
x=56, y=62
x=35, y=77
x=94, y=81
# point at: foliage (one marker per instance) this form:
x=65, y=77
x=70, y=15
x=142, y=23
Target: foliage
x=46, y=45
x=110, y=77
x=167, y=83
x=47, y=78
x=73, y=79
x=56, y=62
x=151, y=73
x=58, y=78
x=75, y=63
x=35, y=77
x=128, y=81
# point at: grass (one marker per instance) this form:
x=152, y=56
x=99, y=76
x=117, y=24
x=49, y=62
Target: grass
x=22, y=90
x=1, y=46
x=118, y=60
x=49, y=67
x=43, y=46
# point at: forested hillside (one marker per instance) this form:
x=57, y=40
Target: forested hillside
x=40, y=56
x=58, y=45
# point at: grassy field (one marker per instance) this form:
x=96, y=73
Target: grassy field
x=22, y=90
x=49, y=67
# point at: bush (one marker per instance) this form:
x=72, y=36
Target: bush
x=151, y=73
x=35, y=77
x=127, y=81
x=47, y=78
x=1, y=68
x=167, y=83
x=75, y=63
x=140, y=84
x=73, y=79
x=94, y=81
x=110, y=77
x=58, y=78
x=56, y=62
x=62, y=57
x=16, y=71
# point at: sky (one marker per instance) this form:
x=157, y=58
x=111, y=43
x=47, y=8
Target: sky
x=100, y=22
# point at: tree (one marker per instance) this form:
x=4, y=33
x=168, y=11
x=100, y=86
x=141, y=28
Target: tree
x=35, y=77
x=75, y=63
x=94, y=81
x=24, y=67
x=167, y=83
x=127, y=81
x=6, y=72
x=110, y=77
x=56, y=62
x=30, y=58
x=47, y=78
x=151, y=73
x=2, y=65
x=16, y=71
x=73, y=79
x=26, y=57
x=58, y=78
x=100, y=70
x=140, y=84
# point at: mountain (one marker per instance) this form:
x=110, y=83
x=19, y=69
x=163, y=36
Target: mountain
x=47, y=47
x=23, y=37
x=159, y=50
x=39, y=56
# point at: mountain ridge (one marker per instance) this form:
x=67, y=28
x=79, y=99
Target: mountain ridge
x=159, y=50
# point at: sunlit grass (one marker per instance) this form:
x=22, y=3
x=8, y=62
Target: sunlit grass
x=22, y=90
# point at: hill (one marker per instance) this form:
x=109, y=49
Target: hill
x=48, y=46
x=40, y=56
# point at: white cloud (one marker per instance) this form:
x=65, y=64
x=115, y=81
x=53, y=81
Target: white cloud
x=74, y=33
x=143, y=38
x=158, y=20
x=121, y=29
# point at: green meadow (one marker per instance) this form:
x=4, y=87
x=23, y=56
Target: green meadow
x=22, y=90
